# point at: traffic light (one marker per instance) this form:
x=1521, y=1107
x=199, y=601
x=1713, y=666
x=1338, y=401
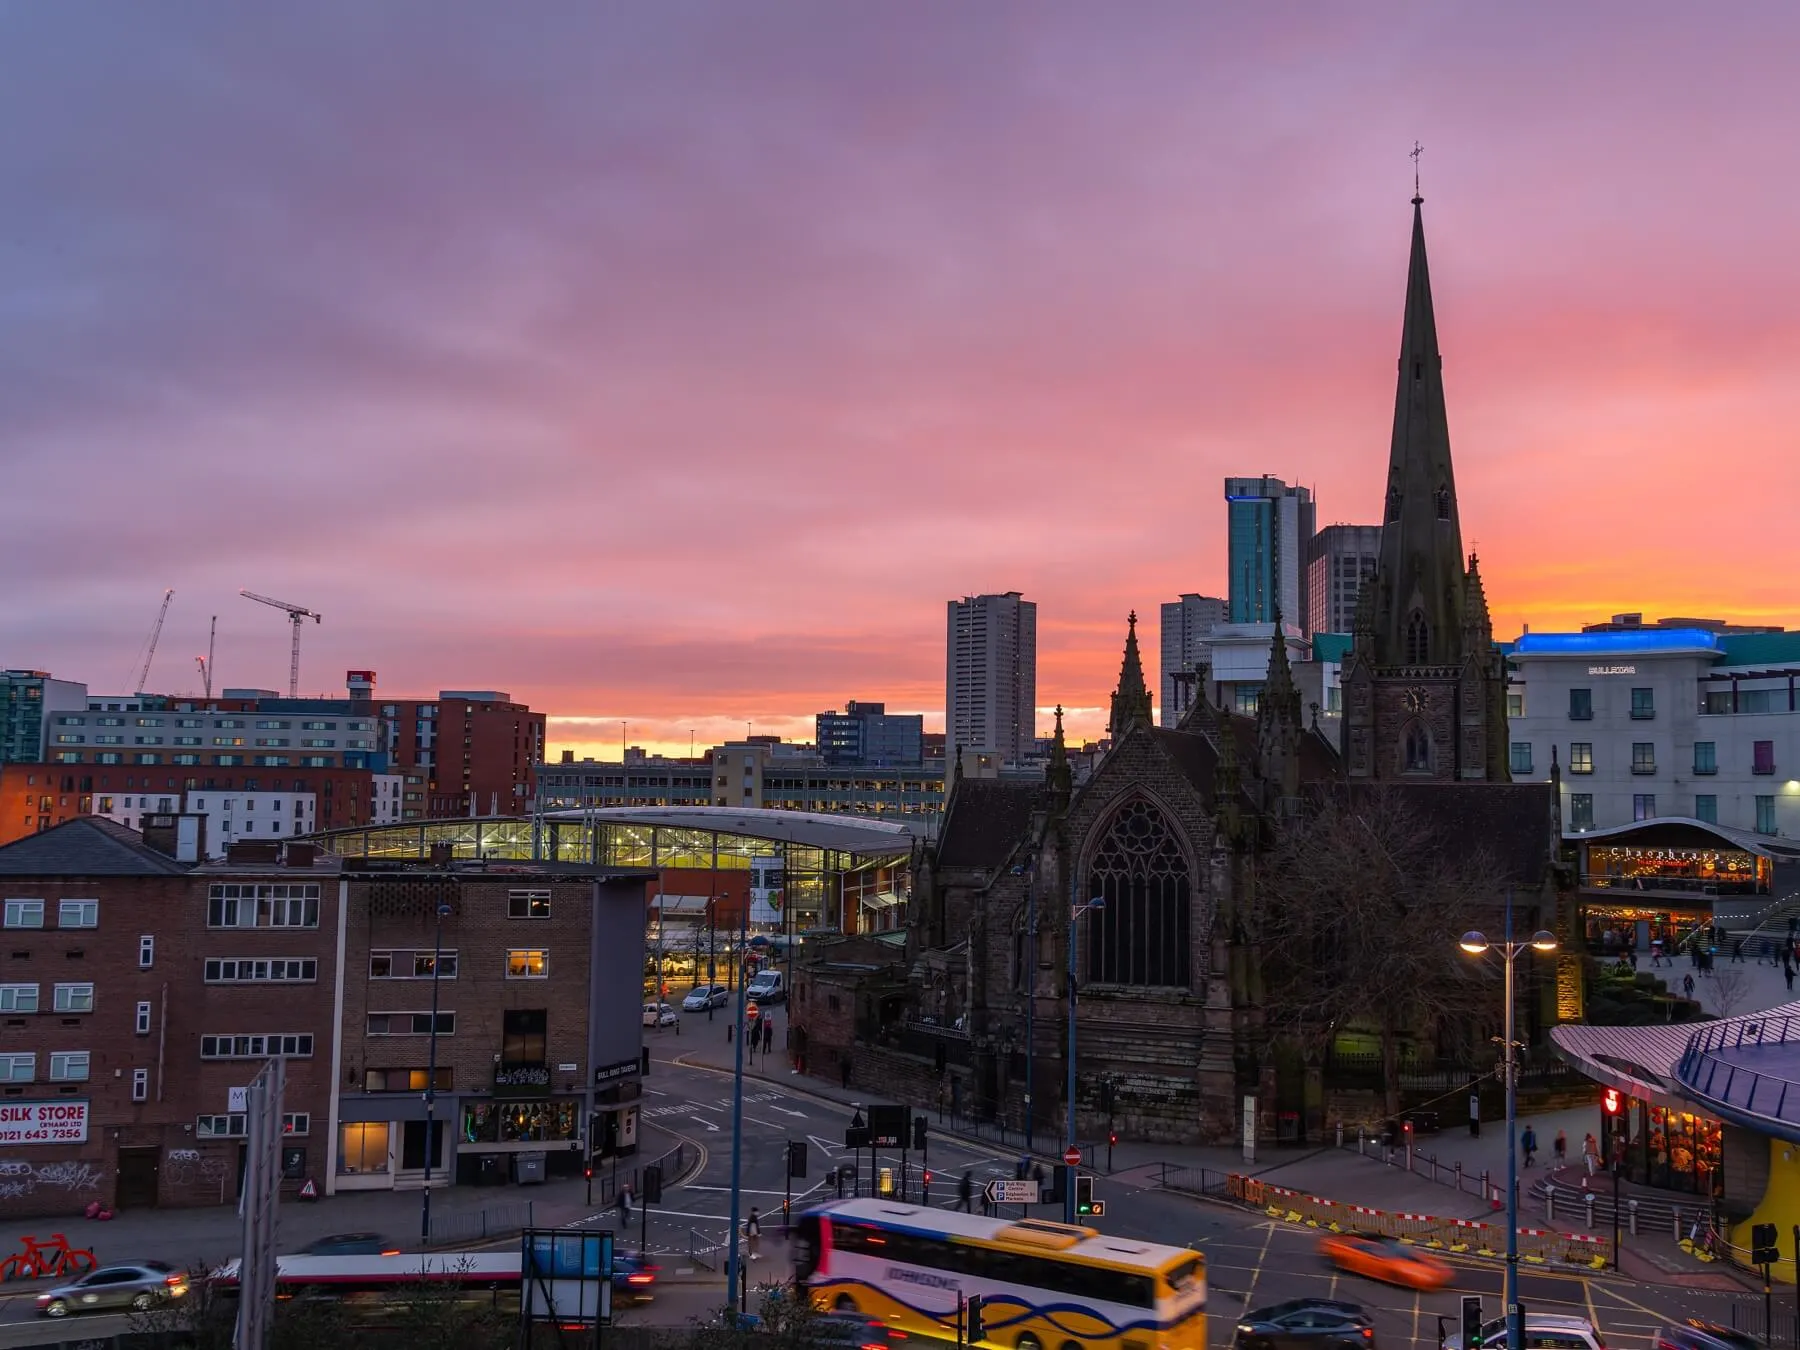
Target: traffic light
x=1763, y=1251
x=653, y=1184
x=1471, y=1321
x=796, y=1159
x=928, y=1176
x=918, y=1141
x=1112, y=1139
x=1610, y=1102
x=1084, y=1195
x=974, y=1329
x=1058, y=1179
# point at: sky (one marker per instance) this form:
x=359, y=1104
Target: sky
x=673, y=363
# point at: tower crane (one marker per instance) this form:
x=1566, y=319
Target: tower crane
x=297, y=615
x=143, y=676
x=206, y=662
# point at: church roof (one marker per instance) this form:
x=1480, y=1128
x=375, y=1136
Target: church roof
x=1194, y=754
x=986, y=820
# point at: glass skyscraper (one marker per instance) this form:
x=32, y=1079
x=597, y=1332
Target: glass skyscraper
x=1269, y=528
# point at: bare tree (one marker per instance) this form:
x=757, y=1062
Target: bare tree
x=1727, y=989
x=1358, y=920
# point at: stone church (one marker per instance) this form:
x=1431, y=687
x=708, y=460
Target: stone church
x=1167, y=833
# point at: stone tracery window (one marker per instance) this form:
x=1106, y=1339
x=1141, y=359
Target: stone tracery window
x=1416, y=748
x=1418, y=639
x=1140, y=936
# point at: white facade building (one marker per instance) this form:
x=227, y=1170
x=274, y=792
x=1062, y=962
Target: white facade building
x=1187, y=623
x=230, y=815
x=990, y=683
x=1661, y=722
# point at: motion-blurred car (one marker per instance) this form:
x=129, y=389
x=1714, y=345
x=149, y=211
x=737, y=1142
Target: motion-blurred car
x=352, y=1244
x=1385, y=1259
x=136, y=1285
x=705, y=996
x=1543, y=1331
x=1697, y=1335
x=634, y=1278
x=659, y=1015
x=1306, y=1324
x=851, y=1331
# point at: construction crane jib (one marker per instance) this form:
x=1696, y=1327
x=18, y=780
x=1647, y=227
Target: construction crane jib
x=297, y=615
x=143, y=675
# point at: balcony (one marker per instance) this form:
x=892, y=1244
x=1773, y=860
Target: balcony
x=1644, y=769
x=1581, y=714
x=1643, y=714
x=1764, y=770
x=1706, y=770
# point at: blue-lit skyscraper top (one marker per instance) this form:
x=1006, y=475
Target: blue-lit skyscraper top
x=1269, y=527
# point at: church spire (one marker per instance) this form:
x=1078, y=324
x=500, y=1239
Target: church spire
x=1278, y=724
x=1131, y=700
x=1419, y=586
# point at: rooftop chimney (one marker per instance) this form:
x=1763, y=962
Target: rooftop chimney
x=181, y=837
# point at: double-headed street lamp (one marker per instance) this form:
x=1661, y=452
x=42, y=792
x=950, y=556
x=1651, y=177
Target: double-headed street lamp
x=431, y=1142
x=1075, y=912
x=1476, y=945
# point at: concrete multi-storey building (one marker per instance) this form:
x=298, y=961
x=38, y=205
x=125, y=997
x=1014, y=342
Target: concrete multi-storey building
x=1269, y=528
x=148, y=730
x=29, y=703
x=990, y=695
x=1187, y=623
x=145, y=987
x=1652, y=722
x=1340, y=560
x=868, y=734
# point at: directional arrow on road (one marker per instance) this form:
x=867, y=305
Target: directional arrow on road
x=784, y=1111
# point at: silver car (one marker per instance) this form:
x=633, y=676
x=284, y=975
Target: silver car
x=706, y=996
x=137, y=1285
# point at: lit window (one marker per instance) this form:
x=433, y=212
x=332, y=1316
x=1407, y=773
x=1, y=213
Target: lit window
x=1581, y=757
x=528, y=904
x=527, y=963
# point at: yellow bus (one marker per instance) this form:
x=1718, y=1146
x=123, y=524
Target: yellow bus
x=1044, y=1286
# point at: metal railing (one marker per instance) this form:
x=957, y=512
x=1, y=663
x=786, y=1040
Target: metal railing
x=1752, y=1091
x=479, y=1225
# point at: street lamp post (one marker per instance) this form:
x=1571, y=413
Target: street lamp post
x=431, y=1143
x=1475, y=944
x=1075, y=913
x=1031, y=963
x=732, y=1282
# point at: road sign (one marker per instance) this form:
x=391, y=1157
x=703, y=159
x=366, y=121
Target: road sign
x=1013, y=1192
x=1072, y=1156
x=752, y=1012
x=888, y=1126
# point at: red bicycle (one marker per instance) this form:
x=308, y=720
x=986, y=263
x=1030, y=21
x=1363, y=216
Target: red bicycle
x=47, y=1260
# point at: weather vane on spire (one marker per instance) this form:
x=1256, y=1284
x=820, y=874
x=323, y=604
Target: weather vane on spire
x=1417, y=150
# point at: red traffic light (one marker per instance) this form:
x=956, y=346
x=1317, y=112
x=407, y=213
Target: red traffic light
x=1609, y=1101
x=928, y=1178
x=1113, y=1138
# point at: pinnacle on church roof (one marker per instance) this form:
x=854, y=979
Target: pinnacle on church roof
x=1131, y=700
x=1279, y=694
x=1057, y=774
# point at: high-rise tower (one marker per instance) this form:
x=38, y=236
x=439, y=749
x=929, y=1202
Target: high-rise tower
x=990, y=684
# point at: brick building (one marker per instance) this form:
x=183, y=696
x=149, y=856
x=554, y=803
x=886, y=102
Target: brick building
x=478, y=748
x=140, y=986
x=36, y=797
x=538, y=972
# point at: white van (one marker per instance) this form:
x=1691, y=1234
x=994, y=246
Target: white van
x=768, y=986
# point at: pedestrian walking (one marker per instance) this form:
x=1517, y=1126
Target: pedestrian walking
x=625, y=1204
x=1737, y=952
x=1788, y=972
x=1528, y=1144
x=1590, y=1157
x=1561, y=1148
x=753, y=1235
x=1687, y=985
x=965, y=1192
x=768, y=1037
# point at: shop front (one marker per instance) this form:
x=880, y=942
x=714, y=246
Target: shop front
x=1658, y=1136
x=522, y=1132
x=612, y=1133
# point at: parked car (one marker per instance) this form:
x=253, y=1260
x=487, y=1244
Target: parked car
x=352, y=1244
x=1386, y=1259
x=137, y=1285
x=1306, y=1324
x=1543, y=1331
x=1697, y=1335
x=705, y=996
x=659, y=1015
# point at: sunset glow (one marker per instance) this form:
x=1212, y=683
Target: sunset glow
x=673, y=364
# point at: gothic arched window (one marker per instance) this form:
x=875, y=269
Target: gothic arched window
x=1418, y=639
x=1416, y=746
x=1443, y=502
x=1139, y=936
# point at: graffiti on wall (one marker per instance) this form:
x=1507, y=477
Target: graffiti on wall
x=19, y=1179
x=191, y=1167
